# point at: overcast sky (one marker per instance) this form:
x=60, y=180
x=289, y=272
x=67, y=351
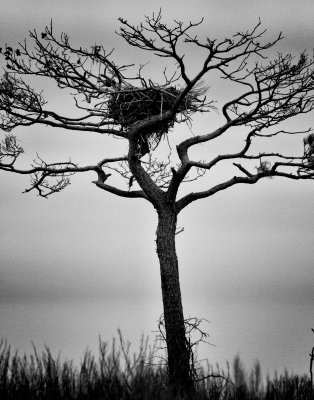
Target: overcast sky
x=83, y=263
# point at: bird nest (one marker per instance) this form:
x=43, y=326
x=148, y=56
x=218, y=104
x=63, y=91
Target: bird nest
x=128, y=106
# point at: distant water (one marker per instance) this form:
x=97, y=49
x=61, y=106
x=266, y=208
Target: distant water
x=251, y=330
x=72, y=327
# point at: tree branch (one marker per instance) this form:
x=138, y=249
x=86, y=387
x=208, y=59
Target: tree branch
x=249, y=179
x=110, y=100
x=193, y=196
x=119, y=192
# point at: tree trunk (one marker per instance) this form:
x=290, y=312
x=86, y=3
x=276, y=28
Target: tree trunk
x=180, y=378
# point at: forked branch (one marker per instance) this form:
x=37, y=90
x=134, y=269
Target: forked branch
x=111, y=99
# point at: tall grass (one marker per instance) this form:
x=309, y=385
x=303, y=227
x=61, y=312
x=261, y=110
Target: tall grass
x=118, y=374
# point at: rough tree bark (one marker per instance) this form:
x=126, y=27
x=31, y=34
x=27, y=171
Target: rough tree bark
x=177, y=348
x=178, y=352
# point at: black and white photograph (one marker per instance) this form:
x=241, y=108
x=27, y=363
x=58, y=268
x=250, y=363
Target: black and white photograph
x=156, y=199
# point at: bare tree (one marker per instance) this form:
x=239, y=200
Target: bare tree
x=111, y=100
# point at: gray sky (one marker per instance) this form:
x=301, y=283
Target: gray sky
x=83, y=262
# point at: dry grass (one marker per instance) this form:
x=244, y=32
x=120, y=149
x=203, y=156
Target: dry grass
x=117, y=374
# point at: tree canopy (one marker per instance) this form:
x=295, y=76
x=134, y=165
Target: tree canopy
x=110, y=99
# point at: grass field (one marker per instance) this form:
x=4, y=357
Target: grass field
x=116, y=374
